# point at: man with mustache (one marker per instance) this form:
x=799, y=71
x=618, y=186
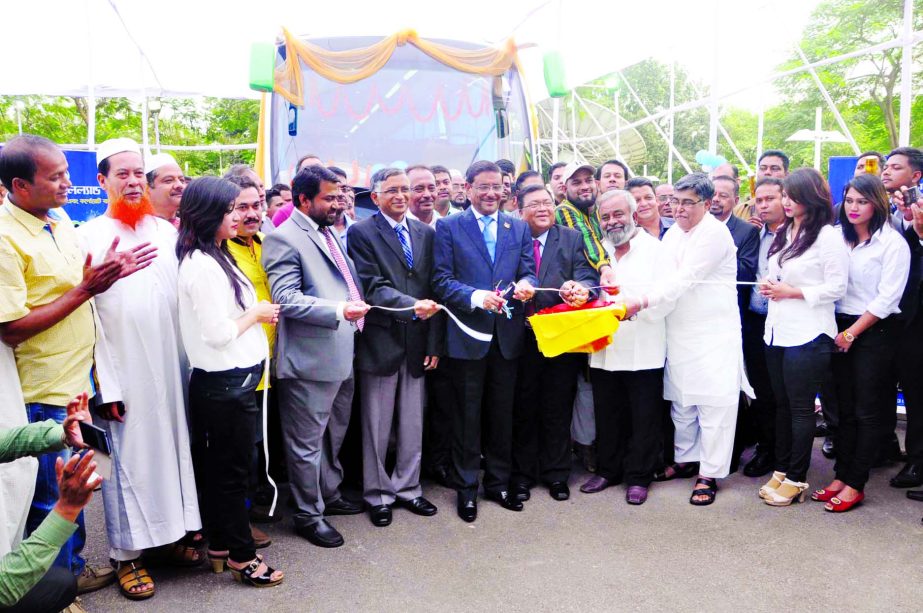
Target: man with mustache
x=444, y=203
x=166, y=182
x=627, y=375
x=423, y=195
x=150, y=499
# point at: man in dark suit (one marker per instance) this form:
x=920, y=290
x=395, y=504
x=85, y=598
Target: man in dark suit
x=323, y=310
x=903, y=170
x=394, y=257
x=546, y=387
x=482, y=256
x=747, y=240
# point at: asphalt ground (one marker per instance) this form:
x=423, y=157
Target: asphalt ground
x=589, y=553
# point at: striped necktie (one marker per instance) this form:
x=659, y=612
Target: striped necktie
x=401, y=236
x=337, y=256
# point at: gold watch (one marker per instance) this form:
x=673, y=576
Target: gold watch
x=848, y=336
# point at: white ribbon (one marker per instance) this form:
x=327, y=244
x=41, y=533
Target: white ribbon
x=478, y=336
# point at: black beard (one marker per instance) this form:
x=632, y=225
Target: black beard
x=583, y=205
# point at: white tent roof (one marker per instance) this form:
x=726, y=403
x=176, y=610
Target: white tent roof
x=201, y=47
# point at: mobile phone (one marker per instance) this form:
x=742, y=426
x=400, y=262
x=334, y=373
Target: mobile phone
x=95, y=437
x=98, y=439
x=912, y=195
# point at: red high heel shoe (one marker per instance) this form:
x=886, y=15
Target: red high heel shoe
x=824, y=495
x=841, y=506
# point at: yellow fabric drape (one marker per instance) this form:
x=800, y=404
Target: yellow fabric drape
x=260, y=162
x=357, y=64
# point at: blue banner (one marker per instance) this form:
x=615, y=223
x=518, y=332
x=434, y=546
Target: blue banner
x=85, y=198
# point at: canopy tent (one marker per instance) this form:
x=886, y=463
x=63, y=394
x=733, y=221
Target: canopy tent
x=179, y=48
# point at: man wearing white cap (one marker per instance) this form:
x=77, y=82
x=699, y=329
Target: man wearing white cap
x=166, y=182
x=150, y=499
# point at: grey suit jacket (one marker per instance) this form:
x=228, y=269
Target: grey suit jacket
x=311, y=343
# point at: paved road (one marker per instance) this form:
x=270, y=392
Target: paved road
x=590, y=553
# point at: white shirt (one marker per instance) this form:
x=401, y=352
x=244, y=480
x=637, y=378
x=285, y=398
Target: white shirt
x=640, y=344
x=541, y=238
x=820, y=273
x=432, y=224
x=207, y=314
x=877, y=275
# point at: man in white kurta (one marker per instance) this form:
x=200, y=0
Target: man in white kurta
x=150, y=499
x=17, y=478
x=705, y=370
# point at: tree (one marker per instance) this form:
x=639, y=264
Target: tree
x=838, y=27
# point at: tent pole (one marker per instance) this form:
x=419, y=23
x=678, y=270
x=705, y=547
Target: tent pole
x=823, y=91
x=672, y=121
x=555, y=126
x=818, y=126
x=91, y=89
x=759, y=134
x=713, y=105
x=649, y=119
x=906, y=76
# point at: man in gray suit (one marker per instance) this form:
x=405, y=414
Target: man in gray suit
x=314, y=280
x=394, y=256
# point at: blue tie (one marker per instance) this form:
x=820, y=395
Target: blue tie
x=408, y=254
x=489, y=241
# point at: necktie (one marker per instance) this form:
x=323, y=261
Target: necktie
x=537, y=254
x=344, y=270
x=408, y=254
x=489, y=241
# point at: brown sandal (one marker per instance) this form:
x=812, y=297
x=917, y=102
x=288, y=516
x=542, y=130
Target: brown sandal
x=183, y=555
x=131, y=575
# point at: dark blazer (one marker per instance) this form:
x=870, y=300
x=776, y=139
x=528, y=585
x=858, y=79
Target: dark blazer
x=910, y=301
x=463, y=266
x=563, y=259
x=747, y=240
x=390, y=337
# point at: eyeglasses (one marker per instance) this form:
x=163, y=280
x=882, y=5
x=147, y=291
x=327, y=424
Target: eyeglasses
x=663, y=199
x=683, y=203
x=483, y=189
x=545, y=204
x=394, y=191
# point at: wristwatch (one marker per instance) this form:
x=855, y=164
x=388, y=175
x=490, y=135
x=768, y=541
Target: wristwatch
x=848, y=336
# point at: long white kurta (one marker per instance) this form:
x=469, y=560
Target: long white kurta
x=150, y=500
x=705, y=363
x=17, y=479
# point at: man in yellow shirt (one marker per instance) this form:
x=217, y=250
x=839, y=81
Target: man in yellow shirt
x=46, y=309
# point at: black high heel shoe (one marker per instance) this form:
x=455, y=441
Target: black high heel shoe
x=247, y=575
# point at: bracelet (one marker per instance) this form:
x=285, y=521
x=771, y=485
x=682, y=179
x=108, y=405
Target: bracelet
x=848, y=336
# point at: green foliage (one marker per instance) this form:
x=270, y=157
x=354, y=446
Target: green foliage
x=182, y=121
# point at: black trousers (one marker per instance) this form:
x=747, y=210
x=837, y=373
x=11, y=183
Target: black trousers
x=797, y=374
x=542, y=411
x=908, y=366
x=55, y=591
x=763, y=407
x=437, y=421
x=484, y=389
x=864, y=388
x=224, y=414
x=629, y=407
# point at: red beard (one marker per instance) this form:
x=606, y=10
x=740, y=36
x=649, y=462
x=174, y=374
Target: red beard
x=131, y=213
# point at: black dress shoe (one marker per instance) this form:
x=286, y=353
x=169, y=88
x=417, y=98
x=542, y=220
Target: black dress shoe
x=467, y=506
x=909, y=476
x=505, y=500
x=343, y=507
x=419, y=506
x=559, y=490
x=321, y=534
x=828, y=448
x=915, y=495
x=760, y=465
x=380, y=515
x=521, y=491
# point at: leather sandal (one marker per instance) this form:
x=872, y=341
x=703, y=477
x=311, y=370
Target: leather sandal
x=677, y=471
x=247, y=575
x=709, y=492
x=183, y=555
x=131, y=575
